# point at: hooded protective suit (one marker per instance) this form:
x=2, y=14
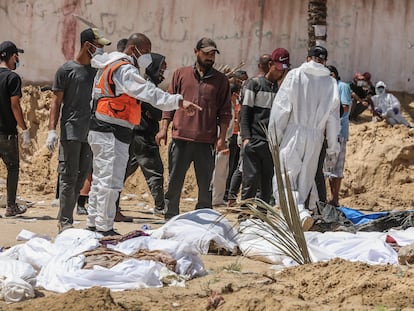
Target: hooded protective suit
x=306, y=105
x=110, y=141
x=387, y=105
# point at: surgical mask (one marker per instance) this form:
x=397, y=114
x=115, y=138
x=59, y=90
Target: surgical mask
x=17, y=63
x=380, y=90
x=144, y=60
x=362, y=83
x=98, y=51
x=166, y=73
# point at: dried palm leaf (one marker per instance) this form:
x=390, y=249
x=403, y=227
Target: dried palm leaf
x=283, y=231
x=85, y=21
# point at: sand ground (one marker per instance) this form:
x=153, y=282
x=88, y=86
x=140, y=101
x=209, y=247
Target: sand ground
x=379, y=176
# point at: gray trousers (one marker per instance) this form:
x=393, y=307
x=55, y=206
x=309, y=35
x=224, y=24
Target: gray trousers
x=9, y=153
x=75, y=163
x=180, y=155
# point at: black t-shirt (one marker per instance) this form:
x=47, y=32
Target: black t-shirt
x=10, y=85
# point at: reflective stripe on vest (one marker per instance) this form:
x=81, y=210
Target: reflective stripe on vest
x=122, y=110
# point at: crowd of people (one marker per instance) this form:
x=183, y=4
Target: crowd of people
x=113, y=118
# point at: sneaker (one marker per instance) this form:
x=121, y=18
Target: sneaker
x=307, y=223
x=81, y=210
x=111, y=232
x=64, y=225
x=15, y=209
x=159, y=212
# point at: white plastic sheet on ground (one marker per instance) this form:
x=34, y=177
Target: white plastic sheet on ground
x=57, y=266
x=17, y=280
x=64, y=271
x=199, y=228
x=369, y=247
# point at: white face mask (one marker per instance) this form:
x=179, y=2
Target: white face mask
x=362, y=83
x=144, y=60
x=98, y=51
x=380, y=90
x=17, y=63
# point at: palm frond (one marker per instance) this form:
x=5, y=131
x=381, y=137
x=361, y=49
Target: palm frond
x=283, y=231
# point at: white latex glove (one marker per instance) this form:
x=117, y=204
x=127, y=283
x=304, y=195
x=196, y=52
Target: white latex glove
x=239, y=139
x=52, y=140
x=26, y=138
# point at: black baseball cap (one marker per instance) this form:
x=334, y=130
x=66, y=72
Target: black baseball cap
x=318, y=51
x=91, y=35
x=9, y=48
x=206, y=45
x=333, y=69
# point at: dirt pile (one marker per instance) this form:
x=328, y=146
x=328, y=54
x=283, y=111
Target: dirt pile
x=93, y=299
x=379, y=170
x=379, y=175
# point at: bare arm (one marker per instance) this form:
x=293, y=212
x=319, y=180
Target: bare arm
x=57, y=100
x=17, y=112
x=162, y=134
x=221, y=141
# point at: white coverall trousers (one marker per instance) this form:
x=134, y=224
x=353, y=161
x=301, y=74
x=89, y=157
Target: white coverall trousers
x=110, y=158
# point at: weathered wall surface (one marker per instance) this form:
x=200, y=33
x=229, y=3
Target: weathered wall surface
x=363, y=35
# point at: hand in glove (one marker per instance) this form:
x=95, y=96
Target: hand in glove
x=330, y=162
x=396, y=110
x=26, y=138
x=239, y=140
x=52, y=140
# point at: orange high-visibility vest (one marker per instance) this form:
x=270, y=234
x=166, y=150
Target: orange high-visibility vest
x=122, y=110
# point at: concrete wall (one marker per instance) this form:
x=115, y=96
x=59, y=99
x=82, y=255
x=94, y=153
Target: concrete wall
x=363, y=35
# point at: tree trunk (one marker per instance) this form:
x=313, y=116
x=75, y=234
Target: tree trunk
x=317, y=12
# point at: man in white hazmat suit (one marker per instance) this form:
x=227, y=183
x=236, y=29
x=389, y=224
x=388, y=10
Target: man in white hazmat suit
x=118, y=87
x=388, y=106
x=305, y=107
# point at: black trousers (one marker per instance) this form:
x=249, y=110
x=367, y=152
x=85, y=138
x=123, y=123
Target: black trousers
x=9, y=153
x=233, y=163
x=235, y=182
x=144, y=153
x=257, y=170
x=356, y=109
x=75, y=163
x=320, y=177
x=180, y=155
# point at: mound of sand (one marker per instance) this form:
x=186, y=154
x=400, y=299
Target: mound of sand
x=379, y=176
x=379, y=170
x=333, y=285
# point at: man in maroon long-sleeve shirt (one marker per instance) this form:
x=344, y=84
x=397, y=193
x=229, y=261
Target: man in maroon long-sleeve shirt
x=195, y=138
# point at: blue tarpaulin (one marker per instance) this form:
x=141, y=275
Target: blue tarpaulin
x=359, y=218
